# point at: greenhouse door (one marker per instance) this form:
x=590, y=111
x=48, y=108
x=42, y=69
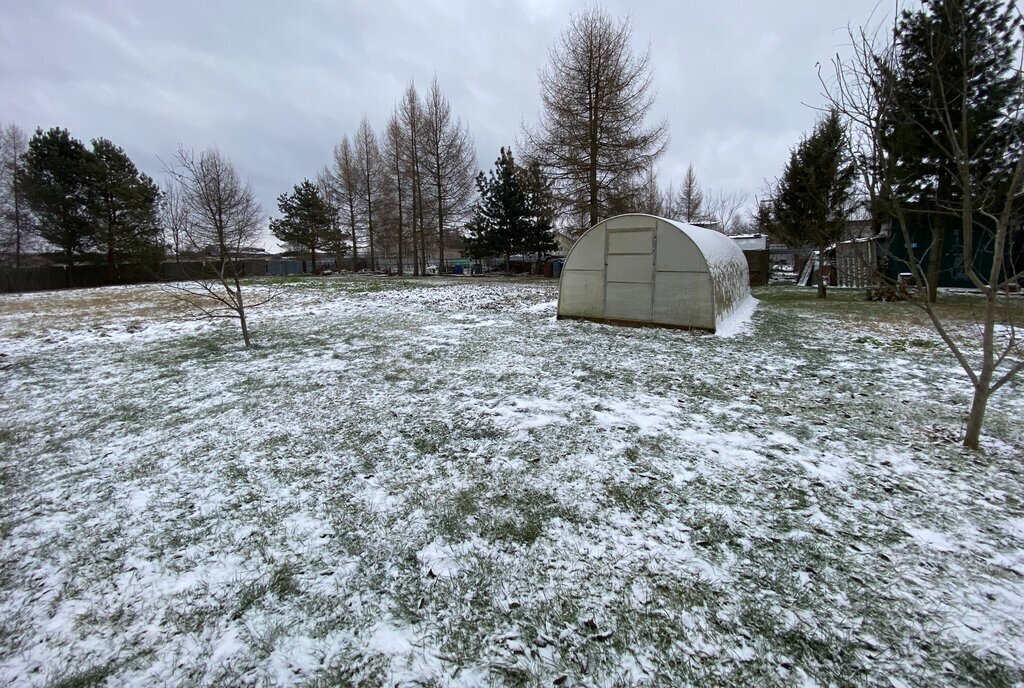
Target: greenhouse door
x=629, y=274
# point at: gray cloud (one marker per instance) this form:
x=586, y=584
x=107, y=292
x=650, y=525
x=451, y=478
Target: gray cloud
x=275, y=84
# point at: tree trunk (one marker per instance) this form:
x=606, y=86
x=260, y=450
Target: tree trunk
x=594, y=150
x=369, y=230
x=312, y=255
x=352, y=220
x=239, y=303
x=423, y=240
x=398, y=186
x=412, y=228
x=241, y=312
x=415, y=250
x=110, y=262
x=822, y=291
x=245, y=331
x=440, y=221
x=972, y=437
x=935, y=262
x=17, y=219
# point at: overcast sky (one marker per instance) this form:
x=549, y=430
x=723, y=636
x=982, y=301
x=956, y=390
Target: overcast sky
x=276, y=84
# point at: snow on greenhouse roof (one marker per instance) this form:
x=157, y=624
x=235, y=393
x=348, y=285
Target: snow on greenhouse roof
x=716, y=247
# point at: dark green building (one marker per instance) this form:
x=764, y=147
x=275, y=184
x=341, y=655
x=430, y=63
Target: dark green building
x=951, y=272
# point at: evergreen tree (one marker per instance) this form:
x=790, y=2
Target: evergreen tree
x=56, y=187
x=540, y=236
x=500, y=223
x=122, y=207
x=335, y=241
x=307, y=220
x=812, y=198
x=514, y=213
x=956, y=98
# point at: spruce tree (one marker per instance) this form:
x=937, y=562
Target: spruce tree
x=307, y=218
x=540, y=236
x=812, y=198
x=514, y=213
x=501, y=221
x=956, y=79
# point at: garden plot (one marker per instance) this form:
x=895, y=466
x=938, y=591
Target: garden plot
x=414, y=482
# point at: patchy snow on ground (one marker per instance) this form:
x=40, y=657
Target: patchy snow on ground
x=412, y=482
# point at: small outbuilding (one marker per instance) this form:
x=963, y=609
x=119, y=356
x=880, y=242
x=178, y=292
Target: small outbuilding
x=645, y=270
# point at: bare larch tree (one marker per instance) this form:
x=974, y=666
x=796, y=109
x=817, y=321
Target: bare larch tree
x=596, y=95
x=690, y=201
x=393, y=140
x=411, y=117
x=13, y=211
x=450, y=162
x=347, y=187
x=367, y=154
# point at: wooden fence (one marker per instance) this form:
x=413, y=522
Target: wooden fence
x=84, y=276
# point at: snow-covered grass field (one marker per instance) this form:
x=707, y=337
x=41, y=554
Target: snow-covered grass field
x=436, y=483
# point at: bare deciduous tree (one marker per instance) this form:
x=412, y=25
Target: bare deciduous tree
x=726, y=208
x=450, y=161
x=347, y=187
x=14, y=217
x=690, y=200
x=410, y=113
x=649, y=198
x=596, y=94
x=174, y=218
x=367, y=154
x=393, y=144
x=864, y=91
x=224, y=217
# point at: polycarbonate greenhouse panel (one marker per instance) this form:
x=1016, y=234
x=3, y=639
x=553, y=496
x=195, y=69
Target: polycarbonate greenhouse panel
x=644, y=269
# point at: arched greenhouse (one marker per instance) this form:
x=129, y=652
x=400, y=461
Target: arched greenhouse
x=645, y=270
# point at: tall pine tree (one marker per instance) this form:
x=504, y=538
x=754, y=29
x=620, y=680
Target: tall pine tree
x=56, y=186
x=122, y=207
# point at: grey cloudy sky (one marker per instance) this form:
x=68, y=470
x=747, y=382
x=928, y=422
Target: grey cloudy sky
x=275, y=84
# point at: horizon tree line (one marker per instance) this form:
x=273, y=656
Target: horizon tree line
x=393, y=195
x=407, y=191
x=84, y=201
